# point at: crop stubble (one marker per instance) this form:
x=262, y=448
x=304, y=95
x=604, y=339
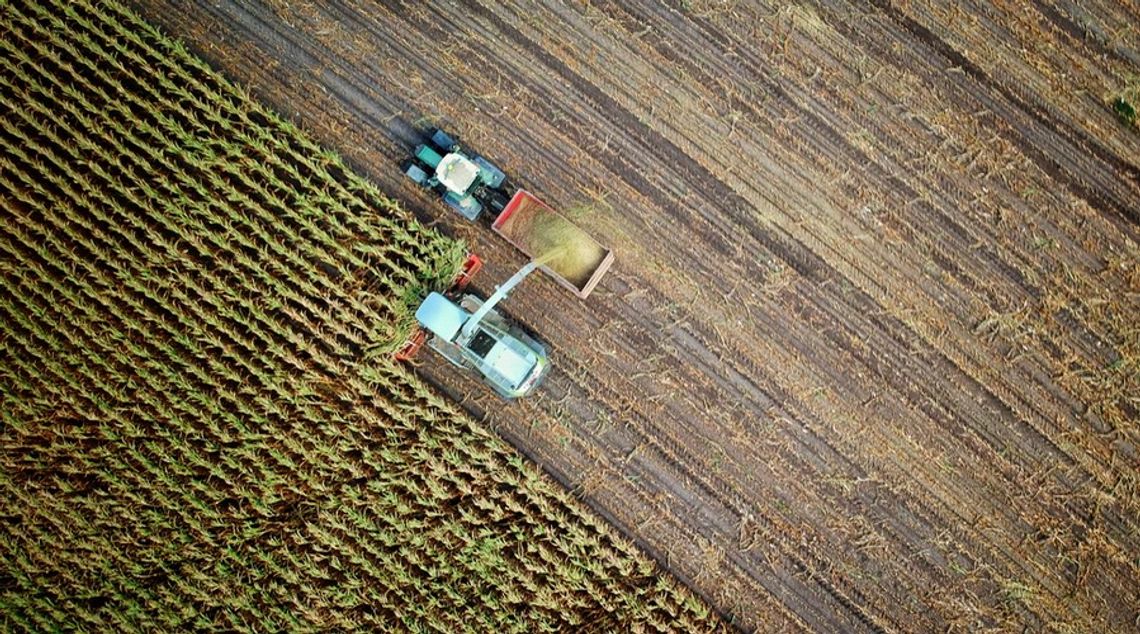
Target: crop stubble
x=867, y=359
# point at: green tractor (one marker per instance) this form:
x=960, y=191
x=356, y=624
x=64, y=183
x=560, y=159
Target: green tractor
x=467, y=182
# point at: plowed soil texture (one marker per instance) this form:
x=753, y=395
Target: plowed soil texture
x=867, y=359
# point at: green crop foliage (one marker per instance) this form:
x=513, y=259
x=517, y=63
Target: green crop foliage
x=1125, y=111
x=1125, y=103
x=201, y=425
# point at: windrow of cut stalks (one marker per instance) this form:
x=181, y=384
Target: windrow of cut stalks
x=201, y=426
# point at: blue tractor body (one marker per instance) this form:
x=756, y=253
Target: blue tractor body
x=468, y=183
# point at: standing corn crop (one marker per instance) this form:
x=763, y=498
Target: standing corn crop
x=201, y=423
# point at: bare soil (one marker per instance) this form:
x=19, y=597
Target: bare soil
x=867, y=359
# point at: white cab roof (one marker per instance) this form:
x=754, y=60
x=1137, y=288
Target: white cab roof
x=511, y=363
x=456, y=172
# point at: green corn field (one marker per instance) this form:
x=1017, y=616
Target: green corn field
x=202, y=426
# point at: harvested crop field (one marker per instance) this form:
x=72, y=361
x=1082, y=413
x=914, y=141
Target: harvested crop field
x=203, y=427
x=867, y=358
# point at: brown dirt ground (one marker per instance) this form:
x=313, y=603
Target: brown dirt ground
x=868, y=356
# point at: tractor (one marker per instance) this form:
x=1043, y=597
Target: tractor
x=467, y=182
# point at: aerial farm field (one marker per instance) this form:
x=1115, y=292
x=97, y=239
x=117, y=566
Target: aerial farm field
x=868, y=356
x=203, y=427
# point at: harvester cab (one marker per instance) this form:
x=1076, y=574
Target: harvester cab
x=469, y=332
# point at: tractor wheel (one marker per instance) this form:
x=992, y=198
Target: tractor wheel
x=443, y=141
x=415, y=172
x=497, y=201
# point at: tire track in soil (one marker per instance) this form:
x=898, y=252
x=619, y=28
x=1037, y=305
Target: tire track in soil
x=727, y=497
x=1105, y=196
x=960, y=230
x=809, y=590
x=944, y=368
x=1079, y=36
x=856, y=157
x=817, y=130
x=992, y=443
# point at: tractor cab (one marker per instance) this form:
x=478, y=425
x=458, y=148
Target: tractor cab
x=456, y=172
x=467, y=182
